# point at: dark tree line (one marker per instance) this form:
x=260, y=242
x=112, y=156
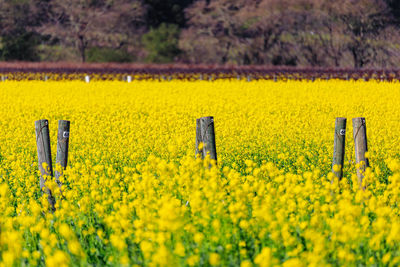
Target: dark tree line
x=340, y=33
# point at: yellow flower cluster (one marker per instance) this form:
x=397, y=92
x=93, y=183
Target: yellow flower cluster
x=134, y=193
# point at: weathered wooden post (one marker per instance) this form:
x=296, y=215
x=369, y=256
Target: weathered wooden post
x=199, y=152
x=206, y=135
x=360, y=146
x=44, y=156
x=338, y=147
x=62, y=149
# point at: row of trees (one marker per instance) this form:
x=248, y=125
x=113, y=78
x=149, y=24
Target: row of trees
x=340, y=33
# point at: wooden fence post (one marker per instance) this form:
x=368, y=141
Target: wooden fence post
x=338, y=147
x=198, y=139
x=360, y=145
x=205, y=133
x=62, y=149
x=44, y=156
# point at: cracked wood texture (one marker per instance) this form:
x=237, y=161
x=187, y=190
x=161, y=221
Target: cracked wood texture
x=206, y=135
x=360, y=146
x=62, y=148
x=339, y=146
x=44, y=156
x=199, y=152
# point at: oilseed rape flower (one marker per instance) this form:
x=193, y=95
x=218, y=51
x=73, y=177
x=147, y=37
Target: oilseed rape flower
x=134, y=194
x=214, y=259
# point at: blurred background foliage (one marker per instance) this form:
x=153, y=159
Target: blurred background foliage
x=312, y=33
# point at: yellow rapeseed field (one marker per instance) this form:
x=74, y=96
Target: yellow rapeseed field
x=134, y=194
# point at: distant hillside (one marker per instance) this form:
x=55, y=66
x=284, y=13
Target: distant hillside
x=301, y=33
